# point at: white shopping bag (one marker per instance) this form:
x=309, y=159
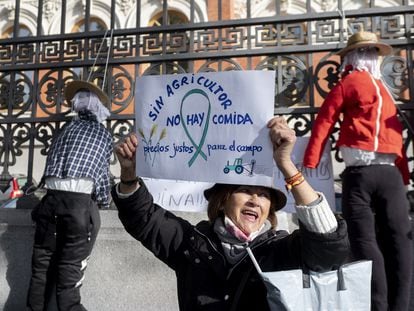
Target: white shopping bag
x=348, y=288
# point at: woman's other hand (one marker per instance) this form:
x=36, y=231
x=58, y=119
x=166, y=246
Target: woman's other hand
x=283, y=139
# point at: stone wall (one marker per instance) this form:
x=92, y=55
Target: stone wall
x=121, y=275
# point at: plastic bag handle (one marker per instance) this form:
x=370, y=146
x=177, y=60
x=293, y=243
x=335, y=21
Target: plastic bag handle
x=255, y=263
x=340, y=276
x=305, y=273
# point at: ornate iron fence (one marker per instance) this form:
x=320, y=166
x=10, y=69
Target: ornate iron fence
x=300, y=48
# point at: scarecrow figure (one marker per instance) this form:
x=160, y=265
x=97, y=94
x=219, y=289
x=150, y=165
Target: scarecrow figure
x=77, y=180
x=374, y=201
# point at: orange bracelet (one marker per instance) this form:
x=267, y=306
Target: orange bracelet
x=293, y=178
x=294, y=181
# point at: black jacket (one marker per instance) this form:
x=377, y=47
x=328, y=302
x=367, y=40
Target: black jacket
x=205, y=280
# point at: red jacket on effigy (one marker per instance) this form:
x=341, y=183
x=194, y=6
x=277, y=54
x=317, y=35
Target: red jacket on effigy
x=369, y=121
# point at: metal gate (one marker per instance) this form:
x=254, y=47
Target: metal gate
x=299, y=48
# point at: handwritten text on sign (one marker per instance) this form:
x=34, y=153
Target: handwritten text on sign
x=208, y=127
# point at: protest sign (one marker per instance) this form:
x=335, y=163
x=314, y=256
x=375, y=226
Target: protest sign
x=188, y=196
x=206, y=127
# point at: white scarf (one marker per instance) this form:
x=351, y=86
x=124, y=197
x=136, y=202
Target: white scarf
x=234, y=247
x=85, y=100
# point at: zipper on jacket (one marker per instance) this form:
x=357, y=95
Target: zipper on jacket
x=212, y=245
x=252, y=248
x=242, y=258
x=379, y=111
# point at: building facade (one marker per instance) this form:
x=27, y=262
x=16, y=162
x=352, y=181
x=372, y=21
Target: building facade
x=45, y=44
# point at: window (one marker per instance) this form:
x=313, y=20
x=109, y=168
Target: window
x=173, y=18
x=24, y=31
x=95, y=24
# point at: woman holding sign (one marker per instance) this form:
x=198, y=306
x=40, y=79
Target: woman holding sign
x=210, y=260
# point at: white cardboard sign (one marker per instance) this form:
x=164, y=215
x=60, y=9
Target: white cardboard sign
x=206, y=127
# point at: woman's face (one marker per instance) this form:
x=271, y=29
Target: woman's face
x=248, y=207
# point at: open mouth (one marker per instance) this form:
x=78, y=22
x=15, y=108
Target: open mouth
x=251, y=215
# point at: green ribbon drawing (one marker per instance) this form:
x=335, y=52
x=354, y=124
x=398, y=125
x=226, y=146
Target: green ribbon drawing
x=203, y=137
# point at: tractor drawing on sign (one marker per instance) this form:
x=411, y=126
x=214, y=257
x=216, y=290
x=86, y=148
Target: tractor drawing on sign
x=239, y=167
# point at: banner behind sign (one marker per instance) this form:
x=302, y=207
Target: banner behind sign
x=188, y=196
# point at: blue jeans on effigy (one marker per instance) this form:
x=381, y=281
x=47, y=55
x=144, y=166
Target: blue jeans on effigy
x=67, y=224
x=375, y=207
